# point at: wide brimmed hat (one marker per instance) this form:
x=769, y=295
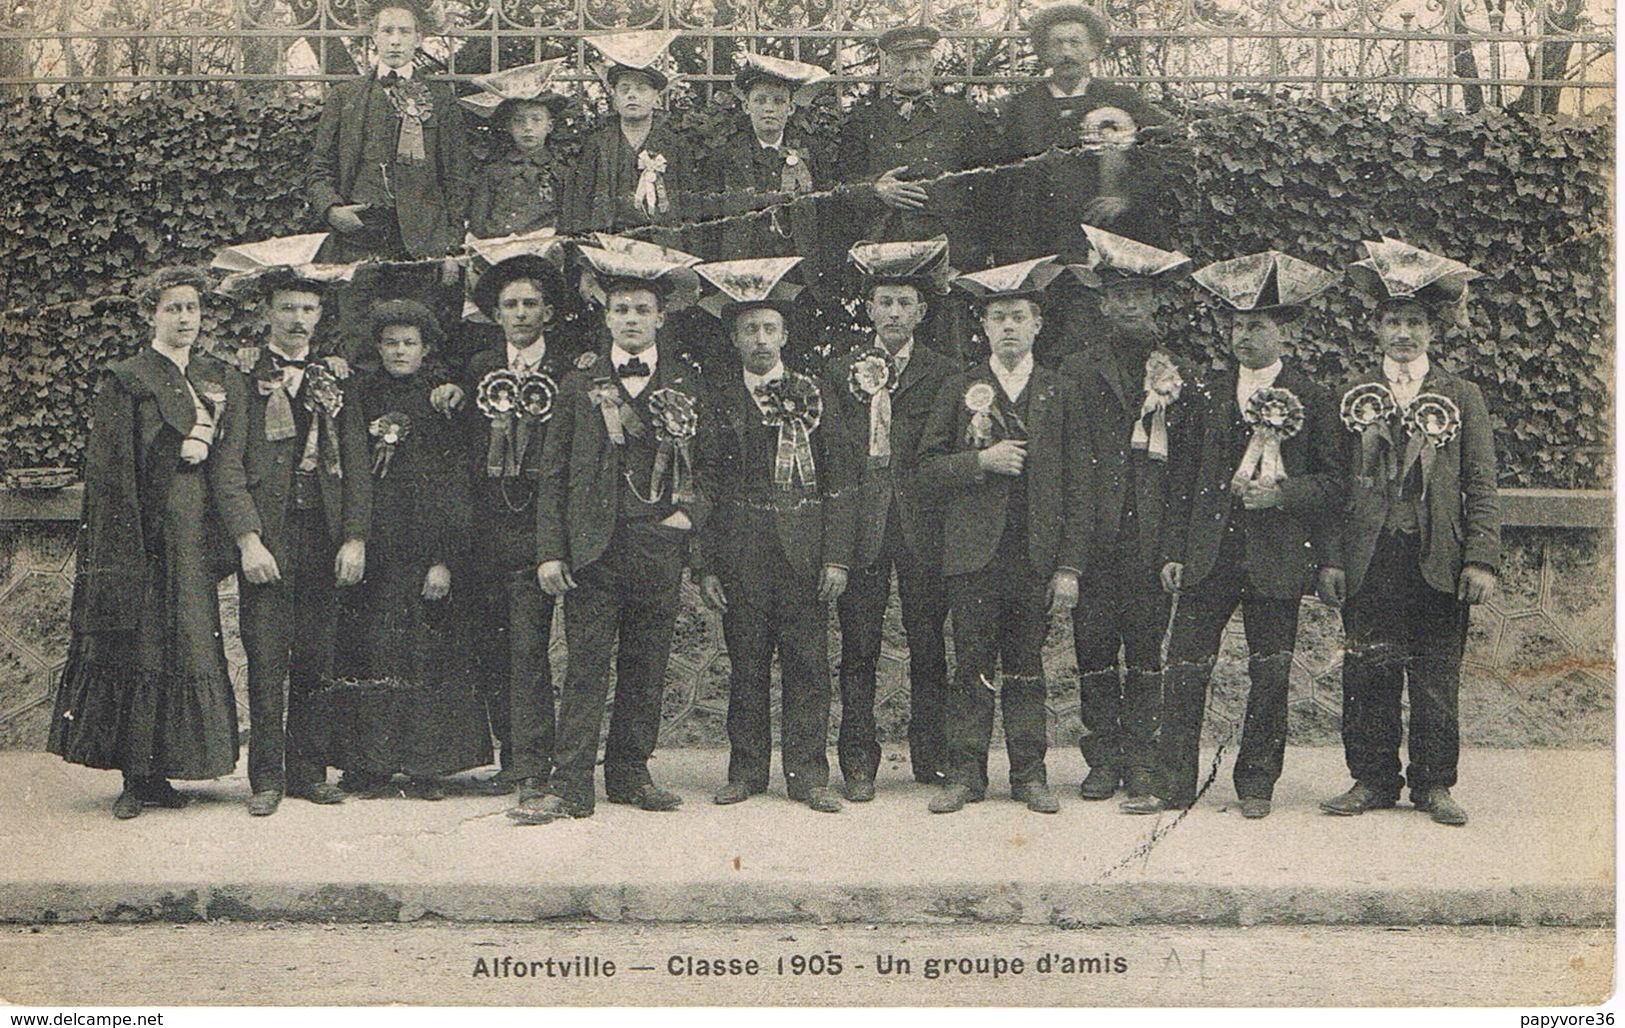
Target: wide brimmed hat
x=800, y=78
x=922, y=264
x=1023, y=280
x=284, y=263
x=635, y=51
x=1267, y=281
x=1062, y=14
x=1114, y=258
x=517, y=268
x=617, y=259
x=909, y=37
x=404, y=312
x=502, y=91
x=1393, y=270
x=749, y=283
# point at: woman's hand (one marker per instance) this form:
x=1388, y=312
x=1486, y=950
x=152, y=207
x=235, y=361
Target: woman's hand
x=437, y=583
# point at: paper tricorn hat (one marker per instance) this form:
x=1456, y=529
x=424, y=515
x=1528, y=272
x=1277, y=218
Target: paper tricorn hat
x=1115, y=258
x=1396, y=270
x=278, y=263
x=643, y=51
x=670, y=272
x=752, y=282
x=922, y=263
x=1021, y=280
x=528, y=82
x=803, y=79
x=1264, y=281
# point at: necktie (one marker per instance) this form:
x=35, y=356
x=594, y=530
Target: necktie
x=634, y=368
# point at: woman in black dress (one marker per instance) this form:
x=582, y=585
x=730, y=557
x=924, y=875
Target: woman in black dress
x=402, y=701
x=146, y=689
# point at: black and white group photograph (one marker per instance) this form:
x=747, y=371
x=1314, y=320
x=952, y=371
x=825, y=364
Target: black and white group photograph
x=807, y=503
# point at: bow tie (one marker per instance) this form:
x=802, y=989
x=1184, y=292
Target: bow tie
x=907, y=105
x=287, y=362
x=634, y=368
x=390, y=78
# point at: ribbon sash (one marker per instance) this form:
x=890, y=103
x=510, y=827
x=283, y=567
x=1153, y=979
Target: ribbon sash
x=675, y=456
x=1262, y=460
x=278, y=414
x=322, y=441
x=880, y=429
x=1151, y=428
x=794, y=456
x=650, y=194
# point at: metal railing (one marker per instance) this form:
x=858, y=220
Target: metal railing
x=1538, y=55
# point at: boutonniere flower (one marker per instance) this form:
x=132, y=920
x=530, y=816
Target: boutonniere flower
x=537, y=391
x=1276, y=415
x=498, y=393
x=794, y=406
x=872, y=378
x=650, y=193
x=979, y=401
x=321, y=391
x=676, y=422
x=619, y=420
x=323, y=396
x=513, y=403
x=387, y=431
x=1434, y=417
x=1163, y=384
x=1367, y=410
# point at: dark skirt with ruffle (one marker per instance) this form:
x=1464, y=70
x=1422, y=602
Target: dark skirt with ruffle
x=156, y=700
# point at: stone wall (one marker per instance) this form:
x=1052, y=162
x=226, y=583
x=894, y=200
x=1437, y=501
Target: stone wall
x=1539, y=672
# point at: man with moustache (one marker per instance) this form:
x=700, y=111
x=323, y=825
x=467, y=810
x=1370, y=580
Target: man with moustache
x=886, y=389
x=1007, y=451
x=625, y=481
x=300, y=520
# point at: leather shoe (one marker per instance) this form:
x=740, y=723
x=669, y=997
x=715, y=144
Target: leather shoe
x=531, y=789
x=1038, y=796
x=499, y=784
x=363, y=783
x=1138, y=783
x=823, y=799
x=734, y=792
x=1255, y=807
x=264, y=802
x=1145, y=805
x=951, y=798
x=1440, y=805
x=1100, y=783
x=128, y=804
x=323, y=794
x=648, y=796
x=426, y=789
x=541, y=810
x=929, y=777
x=1359, y=799
x=860, y=790
x=157, y=792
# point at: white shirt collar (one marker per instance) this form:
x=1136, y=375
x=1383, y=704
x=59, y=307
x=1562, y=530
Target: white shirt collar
x=754, y=381
x=775, y=145
x=381, y=69
x=1056, y=91
x=618, y=356
x=1416, y=370
x=1014, y=380
x=529, y=357
x=1251, y=380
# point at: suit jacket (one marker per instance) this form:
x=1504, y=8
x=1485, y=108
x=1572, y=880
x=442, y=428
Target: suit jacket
x=814, y=528
x=949, y=136
x=1282, y=542
x=880, y=487
x=1111, y=394
x=598, y=193
x=743, y=176
x=431, y=223
x=1461, y=510
x=255, y=481
x=143, y=412
x=1057, y=477
x=505, y=537
x=582, y=469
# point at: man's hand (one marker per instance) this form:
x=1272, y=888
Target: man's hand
x=906, y=196
x=712, y=593
x=194, y=451
x=437, y=583
x=1331, y=585
x=1262, y=496
x=351, y=564
x=1173, y=577
x=445, y=399
x=259, y=567
x=346, y=217
x=554, y=578
x=677, y=519
x=1476, y=584
x=338, y=366
x=450, y=271
x=1103, y=210
x=832, y=583
x=1063, y=592
x=1005, y=457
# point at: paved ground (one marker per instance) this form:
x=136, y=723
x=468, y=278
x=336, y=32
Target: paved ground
x=273, y=964
x=1539, y=851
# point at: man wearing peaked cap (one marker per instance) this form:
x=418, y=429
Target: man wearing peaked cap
x=1006, y=451
x=780, y=546
x=627, y=470
x=1129, y=381
x=1253, y=485
x=1421, y=541
x=886, y=386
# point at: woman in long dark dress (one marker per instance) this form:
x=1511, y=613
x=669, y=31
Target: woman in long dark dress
x=401, y=701
x=146, y=689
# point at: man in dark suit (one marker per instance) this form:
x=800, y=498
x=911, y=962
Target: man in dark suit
x=1420, y=542
x=781, y=543
x=886, y=389
x=1008, y=453
x=624, y=484
x=893, y=145
x=509, y=617
x=1081, y=130
x=1252, y=480
x=1129, y=381
x=300, y=522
